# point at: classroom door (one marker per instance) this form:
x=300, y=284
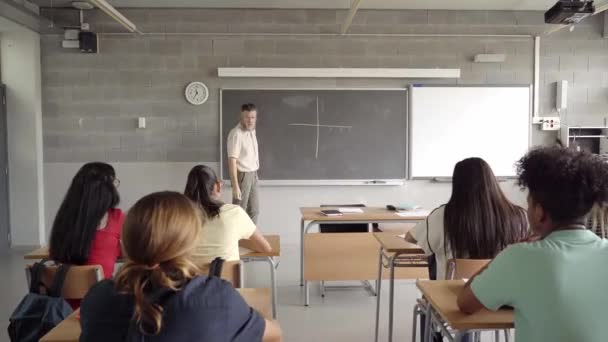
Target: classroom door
x=5, y=238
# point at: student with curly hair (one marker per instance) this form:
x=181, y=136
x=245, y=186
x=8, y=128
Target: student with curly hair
x=556, y=282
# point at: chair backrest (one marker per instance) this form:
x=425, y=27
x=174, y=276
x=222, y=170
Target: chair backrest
x=231, y=272
x=464, y=268
x=344, y=228
x=78, y=280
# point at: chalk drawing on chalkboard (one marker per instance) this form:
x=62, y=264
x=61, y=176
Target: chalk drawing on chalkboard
x=318, y=128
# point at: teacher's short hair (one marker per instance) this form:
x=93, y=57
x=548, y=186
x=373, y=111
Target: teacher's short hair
x=248, y=107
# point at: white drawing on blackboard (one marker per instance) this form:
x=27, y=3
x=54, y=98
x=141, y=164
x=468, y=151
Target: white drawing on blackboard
x=318, y=127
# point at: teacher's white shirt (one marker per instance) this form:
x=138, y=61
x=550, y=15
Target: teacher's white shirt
x=243, y=146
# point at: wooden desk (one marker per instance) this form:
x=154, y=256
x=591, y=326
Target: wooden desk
x=370, y=214
x=274, y=240
x=40, y=253
x=275, y=244
x=397, y=252
x=344, y=256
x=393, y=243
x=69, y=329
x=442, y=296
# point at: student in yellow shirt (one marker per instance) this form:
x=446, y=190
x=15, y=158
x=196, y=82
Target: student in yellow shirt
x=227, y=223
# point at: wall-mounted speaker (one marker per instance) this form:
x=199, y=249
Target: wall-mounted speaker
x=88, y=42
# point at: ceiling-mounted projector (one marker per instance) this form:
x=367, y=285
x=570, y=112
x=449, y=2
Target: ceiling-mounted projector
x=569, y=12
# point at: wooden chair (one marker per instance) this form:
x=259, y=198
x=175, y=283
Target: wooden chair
x=232, y=271
x=464, y=268
x=78, y=280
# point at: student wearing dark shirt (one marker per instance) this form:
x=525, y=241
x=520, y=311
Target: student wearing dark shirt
x=158, y=294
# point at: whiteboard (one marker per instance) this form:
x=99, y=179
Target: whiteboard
x=451, y=123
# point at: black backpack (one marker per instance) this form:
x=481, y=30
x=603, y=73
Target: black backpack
x=39, y=312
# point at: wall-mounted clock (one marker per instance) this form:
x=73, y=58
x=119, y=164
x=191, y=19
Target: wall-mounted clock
x=197, y=93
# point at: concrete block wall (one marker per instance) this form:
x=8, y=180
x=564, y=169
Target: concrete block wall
x=91, y=102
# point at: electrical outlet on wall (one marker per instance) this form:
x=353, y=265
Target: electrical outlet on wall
x=551, y=124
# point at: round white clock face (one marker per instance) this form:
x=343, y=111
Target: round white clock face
x=197, y=93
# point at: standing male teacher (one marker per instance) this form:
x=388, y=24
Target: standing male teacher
x=244, y=162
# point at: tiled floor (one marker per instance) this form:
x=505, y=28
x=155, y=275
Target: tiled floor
x=343, y=315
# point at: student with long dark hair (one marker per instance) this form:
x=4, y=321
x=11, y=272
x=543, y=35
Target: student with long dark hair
x=477, y=222
x=159, y=294
x=227, y=223
x=87, y=227
x=556, y=282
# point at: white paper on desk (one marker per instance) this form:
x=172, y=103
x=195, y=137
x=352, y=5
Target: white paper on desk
x=414, y=213
x=350, y=210
x=243, y=250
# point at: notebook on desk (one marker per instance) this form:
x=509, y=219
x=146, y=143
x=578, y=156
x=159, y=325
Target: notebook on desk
x=331, y=212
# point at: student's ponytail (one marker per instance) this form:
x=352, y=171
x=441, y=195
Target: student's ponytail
x=142, y=281
x=199, y=187
x=159, y=234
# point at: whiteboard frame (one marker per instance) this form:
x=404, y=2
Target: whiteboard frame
x=324, y=182
x=443, y=179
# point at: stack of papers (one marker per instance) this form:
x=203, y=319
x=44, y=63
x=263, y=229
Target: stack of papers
x=350, y=210
x=414, y=213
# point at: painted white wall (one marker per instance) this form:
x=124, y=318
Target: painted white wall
x=279, y=205
x=20, y=63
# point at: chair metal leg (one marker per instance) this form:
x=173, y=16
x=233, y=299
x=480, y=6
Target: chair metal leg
x=507, y=335
x=273, y=280
x=322, y=288
x=377, y=282
x=496, y=335
x=302, y=252
x=378, y=285
x=426, y=337
x=391, y=298
x=417, y=312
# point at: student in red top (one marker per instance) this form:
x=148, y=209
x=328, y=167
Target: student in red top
x=87, y=227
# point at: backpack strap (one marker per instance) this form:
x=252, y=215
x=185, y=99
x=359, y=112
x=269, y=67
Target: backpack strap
x=215, y=269
x=56, y=288
x=36, y=275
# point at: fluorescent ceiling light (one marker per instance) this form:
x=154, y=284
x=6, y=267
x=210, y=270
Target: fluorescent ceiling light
x=113, y=12
x=338, y=72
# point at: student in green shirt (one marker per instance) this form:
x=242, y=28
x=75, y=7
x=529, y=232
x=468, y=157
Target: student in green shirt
x=556, y=282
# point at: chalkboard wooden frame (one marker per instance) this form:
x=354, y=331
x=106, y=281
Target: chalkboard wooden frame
x=323, y=182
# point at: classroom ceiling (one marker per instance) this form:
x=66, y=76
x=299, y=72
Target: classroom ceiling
x=512, y=5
